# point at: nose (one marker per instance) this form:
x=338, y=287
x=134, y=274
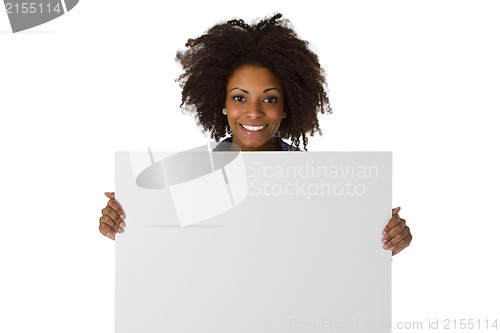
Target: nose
x=254, y=111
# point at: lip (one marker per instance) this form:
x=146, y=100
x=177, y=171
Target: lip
x=247, y=132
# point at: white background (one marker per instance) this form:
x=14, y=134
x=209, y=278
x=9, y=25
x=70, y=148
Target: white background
x=420, y=79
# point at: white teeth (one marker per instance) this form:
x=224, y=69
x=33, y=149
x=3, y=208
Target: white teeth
x=253, y=128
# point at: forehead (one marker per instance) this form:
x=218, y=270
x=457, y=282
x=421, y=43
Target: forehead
x=253, y=76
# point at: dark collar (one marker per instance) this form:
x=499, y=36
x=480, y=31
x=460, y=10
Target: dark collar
x=278, y=142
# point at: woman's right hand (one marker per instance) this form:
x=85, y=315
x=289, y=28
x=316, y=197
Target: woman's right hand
x=112, y=220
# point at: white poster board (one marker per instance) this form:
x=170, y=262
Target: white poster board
x=267, y=242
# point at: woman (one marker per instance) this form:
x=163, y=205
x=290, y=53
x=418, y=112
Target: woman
x=258, y=83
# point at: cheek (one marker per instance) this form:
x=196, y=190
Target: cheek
x=231, y=119
x=234, y=111
x=275, y=113
x=277, y=124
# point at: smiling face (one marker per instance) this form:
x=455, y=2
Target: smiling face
x=254, y=103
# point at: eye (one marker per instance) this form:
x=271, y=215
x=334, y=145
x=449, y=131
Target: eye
x=270, y=100
x=239, y=98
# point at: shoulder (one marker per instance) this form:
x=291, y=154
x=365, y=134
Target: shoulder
x=283, y=145
x=224, y=145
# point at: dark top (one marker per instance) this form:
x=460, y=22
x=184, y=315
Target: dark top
x=278, y=142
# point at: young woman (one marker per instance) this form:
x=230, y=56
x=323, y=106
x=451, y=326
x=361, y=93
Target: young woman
x=258, y=84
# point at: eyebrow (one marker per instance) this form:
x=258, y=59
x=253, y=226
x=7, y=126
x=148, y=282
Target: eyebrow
x=248, y=93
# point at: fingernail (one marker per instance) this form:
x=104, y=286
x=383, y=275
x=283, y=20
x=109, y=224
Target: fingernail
x=120, y=230
x=384, y=241
x=122, y=225
x=123, y=217
x=392, y=248
x=386, y=246
x=109, y=234
x=384, y=233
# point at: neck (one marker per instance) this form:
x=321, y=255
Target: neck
x=268, y=146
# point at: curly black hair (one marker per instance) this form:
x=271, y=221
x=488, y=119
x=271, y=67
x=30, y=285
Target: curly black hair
x=209, y=61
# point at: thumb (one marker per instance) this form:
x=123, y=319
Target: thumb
x=110, y=195
x=396, y=210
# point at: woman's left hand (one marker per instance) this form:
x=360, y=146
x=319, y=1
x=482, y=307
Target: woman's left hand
x=397, y=235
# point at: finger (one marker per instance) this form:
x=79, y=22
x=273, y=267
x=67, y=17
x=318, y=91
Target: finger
x=396, y=239
x=108, y=210
x=397, y=250
x=395, y=220
x=106, y=219
x=402, y=245
x=396, y=229
x=117, y=208
x=115, y=205
x=107, y=231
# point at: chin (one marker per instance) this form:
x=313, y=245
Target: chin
x=253, y=144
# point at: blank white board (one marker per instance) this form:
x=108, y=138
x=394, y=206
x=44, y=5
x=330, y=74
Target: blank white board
x=278, y=242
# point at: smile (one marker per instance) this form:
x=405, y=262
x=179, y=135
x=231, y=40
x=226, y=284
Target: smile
x=253, y=128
